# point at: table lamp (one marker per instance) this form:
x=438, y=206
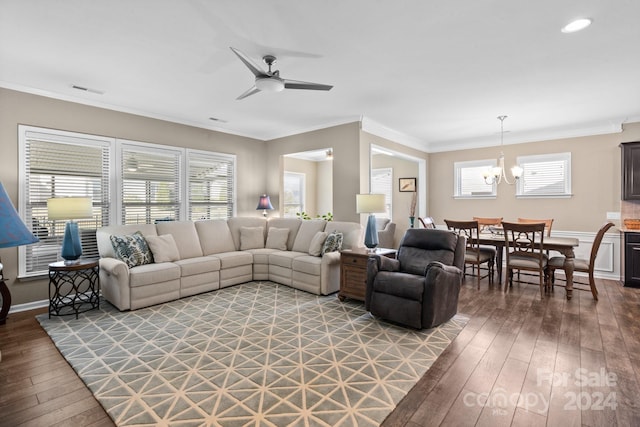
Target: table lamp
x=370, y=203
x=265, y=204
x=13, y=232
x=70, y=208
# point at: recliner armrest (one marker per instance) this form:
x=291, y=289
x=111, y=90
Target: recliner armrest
x=375, y=264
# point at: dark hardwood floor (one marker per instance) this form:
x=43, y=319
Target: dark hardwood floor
x=519, y=361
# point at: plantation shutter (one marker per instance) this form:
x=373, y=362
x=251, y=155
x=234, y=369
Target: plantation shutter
x=381, y=183
x=150, y=184
x=469, y=180
x=59, y=165
x=210, y=185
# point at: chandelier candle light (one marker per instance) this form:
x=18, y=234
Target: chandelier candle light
x=496, y=174
x=63, y=208
x=370, y=203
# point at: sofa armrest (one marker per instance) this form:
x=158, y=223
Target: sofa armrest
x=114, y=282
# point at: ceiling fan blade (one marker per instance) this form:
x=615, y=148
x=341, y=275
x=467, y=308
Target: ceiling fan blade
x=255, y=68
x=249, y=92
x=295, y=84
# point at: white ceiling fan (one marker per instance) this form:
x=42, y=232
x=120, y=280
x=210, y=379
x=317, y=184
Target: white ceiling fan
x=270, y=81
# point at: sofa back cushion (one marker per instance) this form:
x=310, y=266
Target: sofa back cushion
x=185, y=235
x=103, y=236
x=215, y=236
x=293, y=224
x=352, y=232
x=307, y=230
x=236, y=223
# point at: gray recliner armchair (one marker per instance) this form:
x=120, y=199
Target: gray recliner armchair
x=420, y=287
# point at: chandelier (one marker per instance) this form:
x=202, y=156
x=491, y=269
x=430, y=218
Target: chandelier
x=496, y=174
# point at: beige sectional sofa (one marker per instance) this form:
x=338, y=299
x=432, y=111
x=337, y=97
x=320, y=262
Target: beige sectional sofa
x=213, y=254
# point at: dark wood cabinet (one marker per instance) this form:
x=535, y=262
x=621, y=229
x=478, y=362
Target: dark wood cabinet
x=630, y=170
x=632, y=259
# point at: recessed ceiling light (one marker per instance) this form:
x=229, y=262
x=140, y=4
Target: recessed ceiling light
x=87, y=89
x=215, y=119
x=577, y=25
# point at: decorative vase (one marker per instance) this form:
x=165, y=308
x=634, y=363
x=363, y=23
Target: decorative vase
x=412, y=220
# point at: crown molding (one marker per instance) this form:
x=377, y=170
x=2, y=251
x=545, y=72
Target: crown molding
x=371, y=126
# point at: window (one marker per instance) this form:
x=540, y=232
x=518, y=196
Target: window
x=211, y=185
x=469, y=182
x=382, y=183
x=545, y=175
x=293, y=193
x=149, y=183
x=129, y=183
x=61, y=164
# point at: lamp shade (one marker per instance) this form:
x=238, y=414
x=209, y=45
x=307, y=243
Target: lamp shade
x=370, y=203
x=13, y=232
x=69, y=208
x=264, y=203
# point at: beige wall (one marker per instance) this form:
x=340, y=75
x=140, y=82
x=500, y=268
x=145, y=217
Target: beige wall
x=346, y=164
x=21, y=108
x=401, y=202
x=595, y=176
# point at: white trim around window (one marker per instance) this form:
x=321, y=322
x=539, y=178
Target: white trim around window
x=469, y=182
x=544, y=176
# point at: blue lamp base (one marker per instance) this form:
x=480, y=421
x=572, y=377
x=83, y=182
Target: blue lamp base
x=71, y=245
x=371, y=234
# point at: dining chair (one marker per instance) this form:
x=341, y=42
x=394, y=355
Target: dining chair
x=523, y=244
x=427, y=222
x=581, y=265
x=548, y=223
x=475, y=254
x=484, y=223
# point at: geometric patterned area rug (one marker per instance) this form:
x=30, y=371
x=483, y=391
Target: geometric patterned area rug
x=257, y=354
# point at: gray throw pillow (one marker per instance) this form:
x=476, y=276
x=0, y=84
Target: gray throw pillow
x=164, y=248
x=277, y=238
x=315, y=248
x=251, y=238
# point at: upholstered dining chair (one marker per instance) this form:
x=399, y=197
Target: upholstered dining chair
x=420, y=287
x=475, y=254
x=582, y=265
x=523, y=244
x=548, y=223
x=427, y=222
x=485, y=222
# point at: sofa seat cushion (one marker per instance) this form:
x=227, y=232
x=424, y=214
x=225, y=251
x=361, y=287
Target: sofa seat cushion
x=199, y=265
x=234, y=259
x=261, y=256
x=149, y=274
x=307, y=264
x=284, y=259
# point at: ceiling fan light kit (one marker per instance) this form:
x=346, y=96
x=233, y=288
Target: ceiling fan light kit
x=270, y=81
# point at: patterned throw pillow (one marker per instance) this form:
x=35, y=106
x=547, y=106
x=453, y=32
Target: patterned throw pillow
x=132, y=249
x=333, y=242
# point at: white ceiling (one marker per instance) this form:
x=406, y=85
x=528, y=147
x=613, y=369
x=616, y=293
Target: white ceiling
x=434, y=74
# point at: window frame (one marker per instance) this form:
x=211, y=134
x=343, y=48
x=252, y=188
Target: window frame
x=473, y=164
x=522, y=161
x=303, y=183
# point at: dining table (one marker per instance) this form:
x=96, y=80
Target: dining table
x=564, y=245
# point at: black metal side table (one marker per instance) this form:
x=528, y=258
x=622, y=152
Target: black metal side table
x=74, y=287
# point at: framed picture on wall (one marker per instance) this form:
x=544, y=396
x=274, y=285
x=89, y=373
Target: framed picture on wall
x=407, y=185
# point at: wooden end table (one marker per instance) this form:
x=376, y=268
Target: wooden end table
x=74, y=287
x=353, y=271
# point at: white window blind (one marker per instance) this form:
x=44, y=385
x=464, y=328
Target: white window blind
x=545, y=175
x=61, y=164
x=382, y=183
x=150, y=184
x=210, y=185
x=469, y=182
x=293, y=193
